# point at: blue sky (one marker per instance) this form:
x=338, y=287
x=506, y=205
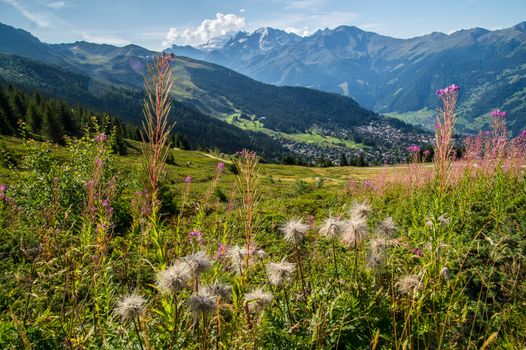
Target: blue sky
x=155, y=23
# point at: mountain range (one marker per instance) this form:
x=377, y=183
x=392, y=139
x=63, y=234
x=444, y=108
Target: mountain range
x=308, y=122
x=393, y=76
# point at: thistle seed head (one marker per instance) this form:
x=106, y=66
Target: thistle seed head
x=130, y=307
x=294, y=231
x=280, y=273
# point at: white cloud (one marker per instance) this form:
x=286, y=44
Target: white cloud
x=56, y=4
x=242, y=10
x=298, y=31
x=40, y=19
x=209, y=28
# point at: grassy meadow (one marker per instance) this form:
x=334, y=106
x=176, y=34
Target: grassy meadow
x=171, y=249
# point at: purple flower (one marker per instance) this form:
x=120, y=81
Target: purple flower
x=220, y=166
x=2, y=191
x=188, y=180
x=98, y=162
x=418, y=252
x=498, y=114
x=451, y=89
x=367, y=184
x=105, y=203
x=427, y=152
x=413, y=148
x=196, y=235
x=522, y=134
x=101, y=137
x=222, y=252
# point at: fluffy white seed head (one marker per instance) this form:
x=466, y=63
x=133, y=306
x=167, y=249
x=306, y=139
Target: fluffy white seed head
x=198, y=263
x=222, y=290
x=258, y=299
x=202, y=303
x=280, y=273
x=355, y=231
x=387, y=228
x=294, y=231
x=130, y=307
x=360, y=209
x=174, y=278
x=376, y=257
x=332, y=227
x=238, y=256
x=445, y=273
x=409, y=285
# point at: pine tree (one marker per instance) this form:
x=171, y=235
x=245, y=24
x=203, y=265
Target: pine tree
x=52, y=129
x=343, y=160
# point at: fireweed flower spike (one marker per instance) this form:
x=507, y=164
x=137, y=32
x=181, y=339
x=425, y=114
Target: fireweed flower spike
x=498, y=114
x=130, y=307
x=174, y=278
x=413, y=149
x=294, y=231
x=101, y=137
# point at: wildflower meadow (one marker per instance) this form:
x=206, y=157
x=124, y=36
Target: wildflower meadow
x=98, y=254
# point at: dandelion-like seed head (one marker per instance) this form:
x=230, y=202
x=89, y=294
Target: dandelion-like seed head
x=332, y=227
x=445, y=273
x=258, y=299
x=409, y=285
x=355, y=231
x=202, y=303
x=377, y=253
x=198, y=263
x=280, y=273
x=294, y=231
x=174, y=278
x=362, y=209
x=218, y=289
x=387, y=228
x=237, y=258
x=130, y=307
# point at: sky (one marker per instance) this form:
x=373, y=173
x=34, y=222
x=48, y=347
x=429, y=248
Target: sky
x=156, y=24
